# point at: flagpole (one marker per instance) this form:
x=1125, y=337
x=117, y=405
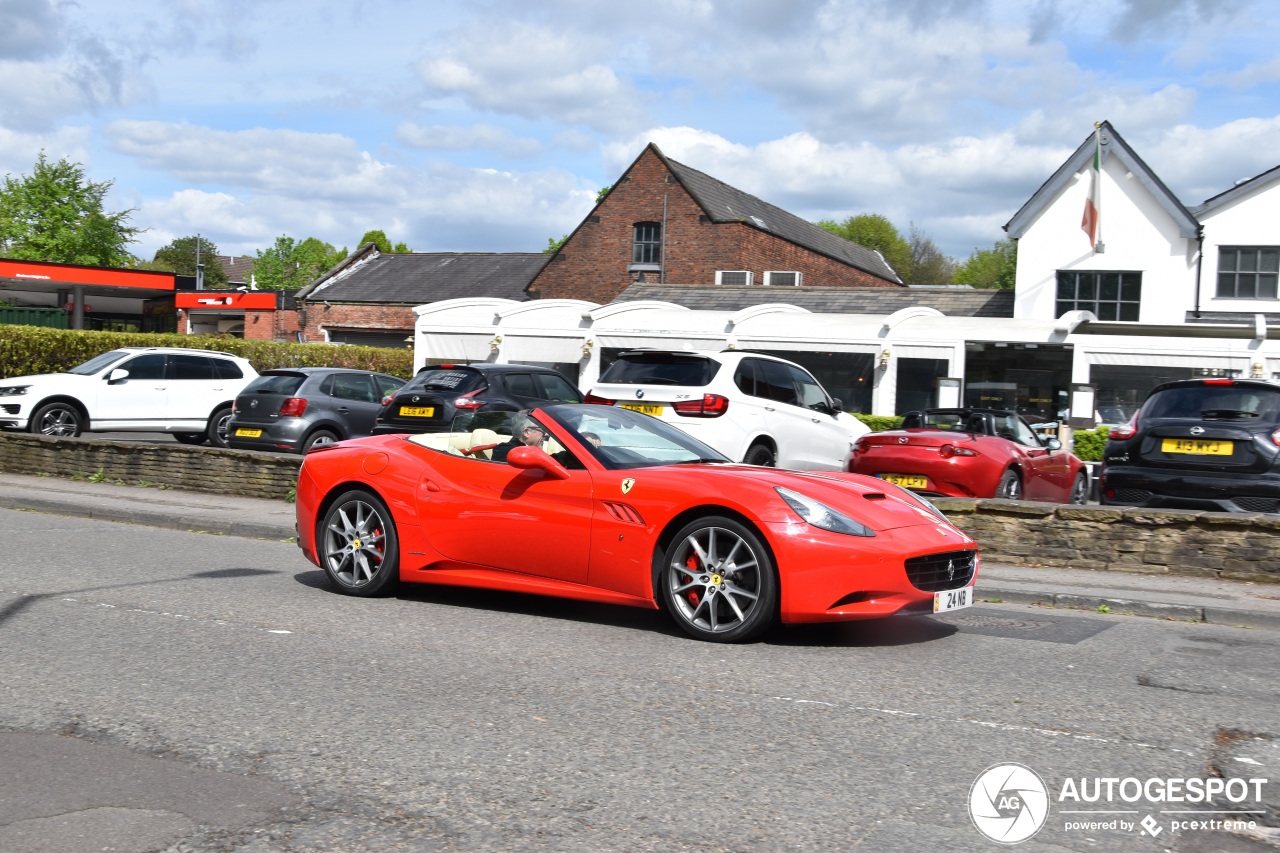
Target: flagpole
x=1098, y=247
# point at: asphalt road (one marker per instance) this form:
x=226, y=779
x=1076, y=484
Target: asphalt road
x=163, y=690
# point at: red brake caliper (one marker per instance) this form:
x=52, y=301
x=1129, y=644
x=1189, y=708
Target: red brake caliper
x=692, y=565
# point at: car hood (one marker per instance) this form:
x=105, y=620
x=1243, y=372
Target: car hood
x=43, y=378
x=876, y=503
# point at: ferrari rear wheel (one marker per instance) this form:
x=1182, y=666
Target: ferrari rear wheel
x=358, y=547
x=718, y=581
x=1010, y=487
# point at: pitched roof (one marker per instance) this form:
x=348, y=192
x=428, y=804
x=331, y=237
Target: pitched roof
x=239, y=269
x=1113, y=145
x=723, y=203
x=1242, y=188
x=952, y=301
x=415, y=278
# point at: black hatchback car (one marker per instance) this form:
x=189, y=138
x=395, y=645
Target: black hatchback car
x=430, y=401
x=1198, y=444
x=297, y=408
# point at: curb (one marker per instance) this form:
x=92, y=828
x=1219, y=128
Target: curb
x=180, y=520
x=1235, y=618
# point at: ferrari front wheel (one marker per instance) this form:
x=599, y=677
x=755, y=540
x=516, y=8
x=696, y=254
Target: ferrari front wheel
x=357, y=544
x=718, y=581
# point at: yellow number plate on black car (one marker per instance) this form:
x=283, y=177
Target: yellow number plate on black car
x=1196, y=446
x=907, y=481
x=417, y=411
x=654, y=409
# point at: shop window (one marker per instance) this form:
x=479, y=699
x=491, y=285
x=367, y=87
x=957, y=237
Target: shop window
x=1109, y=295
x=1248, y=272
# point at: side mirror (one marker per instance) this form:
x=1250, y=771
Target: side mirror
x=117, y=376
x=1053, y=444
x=535, y=458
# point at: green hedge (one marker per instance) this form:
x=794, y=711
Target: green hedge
x=879, y=423
x=28, y=350
x=1089, y=443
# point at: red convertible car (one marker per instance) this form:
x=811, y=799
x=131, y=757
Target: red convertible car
x=609, y=505
x=972, y=453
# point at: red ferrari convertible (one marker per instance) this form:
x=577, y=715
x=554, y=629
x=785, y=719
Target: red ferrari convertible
x=605, y=504
x=972, y=453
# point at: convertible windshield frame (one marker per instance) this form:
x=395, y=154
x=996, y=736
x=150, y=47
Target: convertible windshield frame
x=630, y=439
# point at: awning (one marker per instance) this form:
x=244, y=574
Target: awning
x=454, y=347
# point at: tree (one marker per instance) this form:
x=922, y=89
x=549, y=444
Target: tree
x=180, y=257
x=928, y=264
x=553, y=245
x=54, y=214
x=379, y=238
x=996, y=267
x=873, y=231
x=289, y=265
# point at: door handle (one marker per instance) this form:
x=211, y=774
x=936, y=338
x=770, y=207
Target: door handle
x=770, y=409
x=431, y=485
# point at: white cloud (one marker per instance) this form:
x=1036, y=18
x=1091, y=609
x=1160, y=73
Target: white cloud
x=444, y=137
x=534, y=72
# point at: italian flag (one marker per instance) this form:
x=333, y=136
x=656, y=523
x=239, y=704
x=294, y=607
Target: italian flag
x=1093, y=204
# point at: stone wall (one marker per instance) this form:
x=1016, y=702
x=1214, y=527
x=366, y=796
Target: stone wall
x=178, y=466
x=1127, y=539
x=1183, y=542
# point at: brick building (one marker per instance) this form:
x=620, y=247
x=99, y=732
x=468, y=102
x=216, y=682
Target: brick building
x=664, y=222
x=369, y=298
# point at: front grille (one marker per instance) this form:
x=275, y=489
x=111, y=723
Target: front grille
x=10, y=408
x=937, y=572
x=1132, y=496
x=1258, y=504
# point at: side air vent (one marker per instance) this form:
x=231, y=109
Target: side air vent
x=774, y=278
x=624, y=513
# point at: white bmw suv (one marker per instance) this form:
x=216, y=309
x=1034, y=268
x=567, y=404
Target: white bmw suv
x=186, y=392
x=751, y=407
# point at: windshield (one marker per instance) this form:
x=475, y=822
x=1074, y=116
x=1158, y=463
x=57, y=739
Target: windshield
x=98, y=362
x=629, y=439
x=459, y=381
x=276, y=383
x=1215, y=402
x=660, y=368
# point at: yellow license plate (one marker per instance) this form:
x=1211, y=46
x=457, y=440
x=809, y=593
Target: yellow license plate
x=1197, y=446
x=417, y=411
x=654, y=409
x=907, y=481
x=248, y=433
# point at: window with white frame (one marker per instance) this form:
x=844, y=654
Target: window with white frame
x=1110, y=295
x=1248, y=272
x=646, y=244
x=739, y=277
x=775, y=278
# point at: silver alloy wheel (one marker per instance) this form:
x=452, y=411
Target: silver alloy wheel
x=355, y=543
x=59, y=421
x=1080, y=490
x=714, y=579
x=1010, y=487
x=320, y=439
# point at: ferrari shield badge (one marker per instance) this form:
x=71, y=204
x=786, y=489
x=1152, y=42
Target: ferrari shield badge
x=627, y=484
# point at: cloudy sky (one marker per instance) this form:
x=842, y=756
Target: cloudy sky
x=489, y=125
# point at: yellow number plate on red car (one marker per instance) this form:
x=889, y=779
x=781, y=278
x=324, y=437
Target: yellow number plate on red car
x=654, y=409
x=248, y=433
x=417, y=411
x=1196, y=446
x=907, y=481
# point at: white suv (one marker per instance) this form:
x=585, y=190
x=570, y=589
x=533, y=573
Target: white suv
x=751, y=407
x=186, y=392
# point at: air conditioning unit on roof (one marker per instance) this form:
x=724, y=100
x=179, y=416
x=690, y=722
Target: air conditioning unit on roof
x=781, y=279
x=733, y=277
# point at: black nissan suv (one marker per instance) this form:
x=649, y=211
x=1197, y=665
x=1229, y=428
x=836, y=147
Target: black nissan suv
x=430, y=400
x=1198, y=444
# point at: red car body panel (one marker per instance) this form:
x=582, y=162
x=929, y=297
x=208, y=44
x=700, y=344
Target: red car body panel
x=1047, y=475
x=598, y=534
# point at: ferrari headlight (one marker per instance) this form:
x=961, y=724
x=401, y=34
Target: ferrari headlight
x=820, y=515
x=13, y=390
